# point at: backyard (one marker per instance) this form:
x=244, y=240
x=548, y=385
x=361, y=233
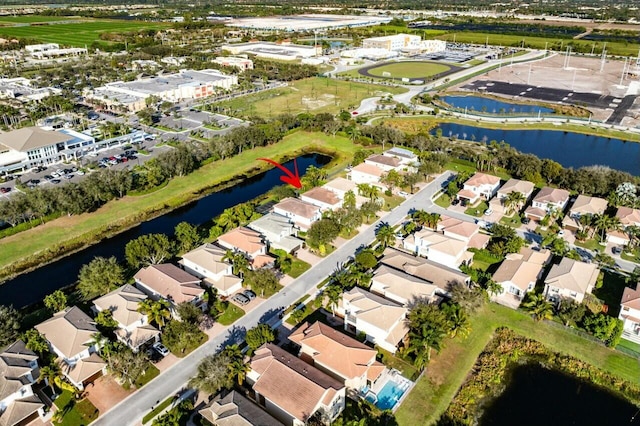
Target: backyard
x=74, y=412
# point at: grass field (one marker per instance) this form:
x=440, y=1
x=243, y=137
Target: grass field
x=409, y=69
x=314, y=95
x=447, y=370
x=30, y=19
x=80, y=34
x=38, y=243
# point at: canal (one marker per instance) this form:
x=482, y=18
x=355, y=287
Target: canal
x=538, y=396
x=493, y=106
x=32, y=287
x=567, y=148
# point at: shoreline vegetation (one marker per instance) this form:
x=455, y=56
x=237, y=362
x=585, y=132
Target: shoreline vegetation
x=34, y=247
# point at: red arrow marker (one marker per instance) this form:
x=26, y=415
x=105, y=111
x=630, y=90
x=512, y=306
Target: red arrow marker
x=290, y=178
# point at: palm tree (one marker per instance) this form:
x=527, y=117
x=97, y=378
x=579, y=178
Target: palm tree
x=385, y=234
x=157, y=311
x=50, y=373
x=513, y=202
x=237, y=368
x=239, y=261
x=334, y=294
x=539, y=307
x=227, y=219
x=432, y=220
x=604, y=223
x=420, y=217
x=458, y=320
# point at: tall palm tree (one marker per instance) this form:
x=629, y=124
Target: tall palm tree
x=237, y=368
x=239, y=261
x=334, y=294
x=385, y=234
x=420, y=217
x=514, y=201
x=458, y=320
x=50, y=373
x=432, y=220
x=604, y=224
x=539, y=307
x=157, y=311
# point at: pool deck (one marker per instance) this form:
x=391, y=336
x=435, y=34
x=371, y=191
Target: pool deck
x=393, y=376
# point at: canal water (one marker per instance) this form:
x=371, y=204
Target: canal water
x=537, y=396
x=493, y=106
x=31, y=287
x=567, y=148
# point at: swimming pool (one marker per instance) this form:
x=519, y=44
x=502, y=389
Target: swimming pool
x=389, y=395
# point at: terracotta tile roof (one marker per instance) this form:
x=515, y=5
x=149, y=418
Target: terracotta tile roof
x=262, y=260
x=535, y=211
x=123, y=303
x=375, y=310
x=368, y=169
x=209, y=257
x=298, y=207
x=341, y=185
x=19, y=410
x=519, y=272
x=397, y=333
x=84, y=368
x=69, y=331
x=242, y=239
x=631, y=298
x=551, y=195
x=234, y=409
x=335, y=350
x=573, y=275
x=322, y=195
x=538, y=257
x=375, y=370
x=225, y=283
x=138, y=335
x=469, y=195
x=589, y=205
x=628, y=216
x=441, y=243
x=290, y=383
x=170, y=282
x=516, y=185
x=479, y=241
x=479, y=179
x=384, y=160
x=465, y=230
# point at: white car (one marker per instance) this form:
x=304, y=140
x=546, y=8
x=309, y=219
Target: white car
x=488, y=212
x=80, y=173
x=161, y=349
x=403, y=194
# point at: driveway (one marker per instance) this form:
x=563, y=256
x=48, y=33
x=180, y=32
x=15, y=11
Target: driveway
x=105, y=392
x=176, y=377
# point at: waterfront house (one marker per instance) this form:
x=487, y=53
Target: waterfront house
x=512, y=185
x=583, y=206
x=325, y=199
x=384, y=162
x=301, y=213
x=167, y=281
x=630, y=314
x=628, y=217
x=208, y=263
x=278, y=231
x=367, y=174
x=571, y=279
x=479, y=186
x=518, y=274
x=546, y=201
x=249, y=242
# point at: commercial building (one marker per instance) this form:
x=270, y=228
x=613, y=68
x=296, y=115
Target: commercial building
x=183, y=85
x=393, y=43
x=307, y=22
x=53, y=50
x=232, y=61
x=20, y=89
x=284, y=50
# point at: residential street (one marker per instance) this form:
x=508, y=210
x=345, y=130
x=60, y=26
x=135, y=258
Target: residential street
x=131, y=410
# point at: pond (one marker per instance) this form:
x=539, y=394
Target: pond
x=538, y=396
x=493, y=106
x=31, y=287
x=567, y=148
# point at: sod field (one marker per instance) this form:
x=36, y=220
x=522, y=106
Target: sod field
x=409, y=69
x=75, y=34
x=314, y=95
x=29, y=19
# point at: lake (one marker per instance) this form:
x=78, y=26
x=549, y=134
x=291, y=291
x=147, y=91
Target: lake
x=493, y=106
x=537, y=396
x=567, y=148
x=32, y=287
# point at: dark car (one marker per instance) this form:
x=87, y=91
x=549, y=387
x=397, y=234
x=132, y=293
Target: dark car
x=616, y=250
x=48, y=177
x=526, y=221
x=5, y=189
x=455, y=202
x=249, y=294
x=240, y=299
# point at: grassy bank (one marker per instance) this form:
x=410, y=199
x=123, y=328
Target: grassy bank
x=66, y=234
x=448, y=370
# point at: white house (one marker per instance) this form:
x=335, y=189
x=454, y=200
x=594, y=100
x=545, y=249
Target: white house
x=467, y=232
x=630, y=314
x=480, y=185
x=405, y=156
x=547, y=200
x=518, y=275
x=366, y=173
x=571, y=279
x=322, y=197
x=628, y=217
x=70, y=334
x=403, y=288
x=19, y=405
x=133, y=329
x=437, y=247
x=382, y=320
x=512, y=185
x=301, y=213
x=384, y=162
x=278, y=232
x=291, y=390
x=208, y=263
x=583, y=206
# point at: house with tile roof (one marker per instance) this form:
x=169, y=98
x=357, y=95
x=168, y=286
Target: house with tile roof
x=512, y=185
x=583, y=206
x=571, y=279
x=340, y=186
x=234, y=409
x=464, y=231
x=301, y=213
x=322, y=197
x=518, y=274
x=366, y=173
x=384, y=162
x=19, y=405
x=249, y=242
x=338, y=355
x=382, y=320
x=437, y=247
x=208, y=263
x=70, y=334
x=628, y=217
x=405, y=156
x=167, y=281
x=403, y=288
x=278, y=231
x=547, y=200
x=630, y=314
x=133, y=329
x=291, y=390
x=479, y=186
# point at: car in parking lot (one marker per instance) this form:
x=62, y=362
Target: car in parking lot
x=5, y=189
x=240, y=299
x=48, y=177
x=525, y=221
x=55, y=181
x=249, y=294
x=161, y=349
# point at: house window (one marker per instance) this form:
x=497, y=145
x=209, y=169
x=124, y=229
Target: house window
x=574, y=294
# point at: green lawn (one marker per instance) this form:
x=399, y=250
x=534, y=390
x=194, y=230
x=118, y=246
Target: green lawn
x=298, y=267
x=231, y=314
x=513, y=221
x=313, y=95
x=393, y=361
x=629, y=345
x=448, y=369
x=391, y=202
x=27, y=19
x=483, y=260
x=68, y=232
x=443, y=201
x=409, y=69
x=590, y=244
x=478, y=210
x=157, y=410
x=150, y=373
x=611, y=291
x=75, y=413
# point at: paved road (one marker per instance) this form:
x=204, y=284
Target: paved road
x=132, y=409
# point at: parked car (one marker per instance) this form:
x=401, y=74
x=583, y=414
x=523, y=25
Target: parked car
x=616, y=250
x=55, y=181
x=525, y=221
x=488, y=212
x=455, y=202
x=48, y=177
x=161, y=349
x=240, y=299
x=5, y=189
x=403, y=194
x=249, y=294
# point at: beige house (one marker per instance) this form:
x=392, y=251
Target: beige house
x=167, y=281
x=583, y=206
x=278, y=231
x=630, y=314
x=466, y=232
x=233, y=409
x=628, y=217
x=479, y=186
x=249, y=242
x=291, y=390
x=518, y=275
x=208, y=263
x=323, y=198
x=571, y=279
x=382, y=320
x=340, y=186
x=301, y=213
x=438, y=247
x=70, y=334
x=384, y=162
x=547, y=200
x=338, y=355
x=366, y=173
x=402, y=288
x=19, y=405
x=133, y=329
x=512, y=185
